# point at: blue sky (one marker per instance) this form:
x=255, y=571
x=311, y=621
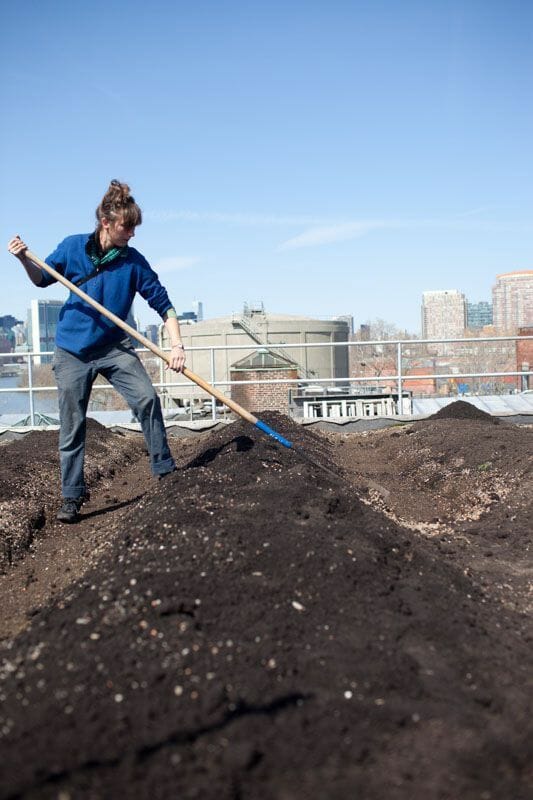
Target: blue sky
x=323, y=157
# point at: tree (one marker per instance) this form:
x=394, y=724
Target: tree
x=372, y=361
x=381, y=330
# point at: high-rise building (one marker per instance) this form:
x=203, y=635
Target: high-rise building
x=20, y=333
x=152, y=333
x=8, y=321
x=512, y=300
x=196, y=315
x=43, y=316
x=443, y=314
x=478, y=315
x=198, y=308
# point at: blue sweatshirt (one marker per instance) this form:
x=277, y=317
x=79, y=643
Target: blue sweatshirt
x=81, y=327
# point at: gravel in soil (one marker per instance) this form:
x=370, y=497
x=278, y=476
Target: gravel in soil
x=253, y=627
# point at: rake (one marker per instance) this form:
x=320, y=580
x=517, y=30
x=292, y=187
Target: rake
x=238, y=409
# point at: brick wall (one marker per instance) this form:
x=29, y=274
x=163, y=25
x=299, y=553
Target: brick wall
x=260, y=397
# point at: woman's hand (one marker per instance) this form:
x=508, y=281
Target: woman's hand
x=16, y=246
x=18, y=249
x=177, y=358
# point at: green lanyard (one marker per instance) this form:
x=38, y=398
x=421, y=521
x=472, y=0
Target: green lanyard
x=100, y=261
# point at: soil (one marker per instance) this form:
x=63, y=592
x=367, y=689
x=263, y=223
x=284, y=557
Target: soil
x=355, y=623
x=29, y=477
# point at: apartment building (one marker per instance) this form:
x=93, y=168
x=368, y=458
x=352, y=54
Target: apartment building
x=512, y=300
x=443, y=314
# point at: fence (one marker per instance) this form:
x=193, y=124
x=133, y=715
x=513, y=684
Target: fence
x=421, y=367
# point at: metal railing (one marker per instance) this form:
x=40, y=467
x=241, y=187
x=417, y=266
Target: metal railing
x=401, y=377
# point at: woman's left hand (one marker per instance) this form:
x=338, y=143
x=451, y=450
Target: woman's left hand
x=177, y=358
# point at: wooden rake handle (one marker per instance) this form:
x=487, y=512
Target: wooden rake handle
x=242, y=412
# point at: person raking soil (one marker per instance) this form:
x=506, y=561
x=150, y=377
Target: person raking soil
x=88, y=344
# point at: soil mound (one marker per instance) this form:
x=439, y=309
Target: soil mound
x=95, y=428
x=242, y=437
x=258, y=631
x=460, y=409
x=446, y=470
x=30, y=489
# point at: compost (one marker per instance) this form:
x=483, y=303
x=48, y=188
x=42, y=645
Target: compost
x=463, y=410
x=254, y=626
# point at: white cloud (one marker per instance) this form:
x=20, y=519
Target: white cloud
x=236, y=218
x=327, y=234
x=175, y=263
x=320, y=231
x=344, y=231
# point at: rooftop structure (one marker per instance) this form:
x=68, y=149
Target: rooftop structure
x=254, y=327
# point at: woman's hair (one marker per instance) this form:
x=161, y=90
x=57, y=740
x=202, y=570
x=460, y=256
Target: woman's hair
x=117, y=202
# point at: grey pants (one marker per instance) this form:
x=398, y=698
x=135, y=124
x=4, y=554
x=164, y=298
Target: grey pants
x=75, y=376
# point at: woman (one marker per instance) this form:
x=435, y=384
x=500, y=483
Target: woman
x=89, y=344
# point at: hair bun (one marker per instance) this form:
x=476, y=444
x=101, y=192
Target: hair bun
x=119, y=190
x=117, y=200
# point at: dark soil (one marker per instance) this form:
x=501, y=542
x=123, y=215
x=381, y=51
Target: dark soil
x=460, y=409
x=29, y=479
x=255, y=627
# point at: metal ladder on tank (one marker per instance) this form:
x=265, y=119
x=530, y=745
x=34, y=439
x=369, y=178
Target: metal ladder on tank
x=254, y=333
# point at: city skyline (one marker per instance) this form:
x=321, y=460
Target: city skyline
x=326, y=159
x=144, y=313
x=195, y=311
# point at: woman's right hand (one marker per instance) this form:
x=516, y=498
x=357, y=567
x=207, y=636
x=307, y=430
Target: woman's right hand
x=16, y=246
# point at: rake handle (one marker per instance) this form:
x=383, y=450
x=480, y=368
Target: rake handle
x=242, y=412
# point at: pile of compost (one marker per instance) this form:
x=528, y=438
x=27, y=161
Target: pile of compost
x=448, y=469
x=460, y=409
x=257, y=628
x=30, y=481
